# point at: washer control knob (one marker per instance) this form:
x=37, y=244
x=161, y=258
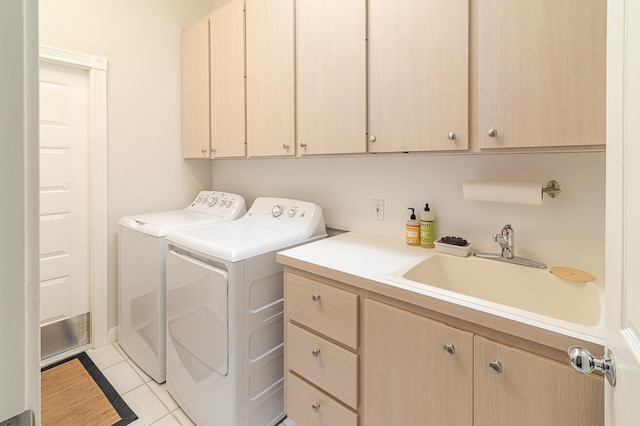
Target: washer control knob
x=204, y=200
x=276, y=211
x=198, y=199
x=212, y=202
x=291, y=212
x=221, y=202
x=228, y=203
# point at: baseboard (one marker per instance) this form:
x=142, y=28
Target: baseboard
x=112, y=336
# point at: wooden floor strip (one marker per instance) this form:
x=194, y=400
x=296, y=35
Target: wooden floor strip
x=70, y=396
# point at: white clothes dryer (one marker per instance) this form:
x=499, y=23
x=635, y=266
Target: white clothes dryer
x=225, y=310
x=141, y=274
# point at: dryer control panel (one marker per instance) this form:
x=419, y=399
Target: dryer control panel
x=287, y=215
x=222, y=204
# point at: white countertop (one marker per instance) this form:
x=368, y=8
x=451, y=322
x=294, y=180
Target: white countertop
x=375, y=258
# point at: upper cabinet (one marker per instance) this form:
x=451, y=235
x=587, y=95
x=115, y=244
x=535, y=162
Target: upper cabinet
x=380, y=76
x=418, y=75
x=331, y=76
x=541, y=73
x=270, y=83
x=195, y=91
x=227, y=81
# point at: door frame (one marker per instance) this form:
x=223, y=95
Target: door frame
x=99, y=291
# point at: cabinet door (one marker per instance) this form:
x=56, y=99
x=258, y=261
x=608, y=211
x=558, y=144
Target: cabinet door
x=409, y=379
x=541, y=73
x=270, y=85
x=532, y=390
x=331, y=76
x=195, y=91
x=418, y=75
x=227, y=80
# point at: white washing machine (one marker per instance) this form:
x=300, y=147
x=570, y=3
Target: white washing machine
x=141, y=274
x=225, y=309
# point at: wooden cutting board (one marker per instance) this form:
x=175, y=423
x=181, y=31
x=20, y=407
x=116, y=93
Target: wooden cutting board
x=572, y=274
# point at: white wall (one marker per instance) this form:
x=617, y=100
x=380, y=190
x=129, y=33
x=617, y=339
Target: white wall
x=141, y=41
x=568, y=230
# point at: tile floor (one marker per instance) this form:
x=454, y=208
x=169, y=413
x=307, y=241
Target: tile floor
x=149, y=400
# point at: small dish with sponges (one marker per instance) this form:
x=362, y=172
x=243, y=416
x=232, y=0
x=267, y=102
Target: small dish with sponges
x=455, y=246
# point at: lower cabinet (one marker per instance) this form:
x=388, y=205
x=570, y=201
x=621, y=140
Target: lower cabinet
x=416, y=371
x=352, y=359
x=514, y=387
x=321, y=359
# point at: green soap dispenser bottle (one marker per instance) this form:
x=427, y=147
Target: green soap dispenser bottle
x=413, y=229
x=427, y=220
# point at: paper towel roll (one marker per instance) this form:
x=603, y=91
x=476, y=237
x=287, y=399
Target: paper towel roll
x=503, y=192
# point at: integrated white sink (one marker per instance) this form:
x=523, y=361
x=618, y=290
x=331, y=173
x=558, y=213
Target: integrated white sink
x=529, y=289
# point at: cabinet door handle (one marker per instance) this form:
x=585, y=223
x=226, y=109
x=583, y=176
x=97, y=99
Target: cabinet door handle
x=315, y=353
x=315, y=297
x=285, y=146
x=492, y=133
x=303, y=145
x=372, y=138
x=449, y=348
x=204, y=151
x=316, y=407
x=452, y=136
x=496, y=367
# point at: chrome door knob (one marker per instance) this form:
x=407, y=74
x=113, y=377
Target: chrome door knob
x=285, y=146
x=316, y=407
x=583, y=362
x=204, y=151
x=372, y=138
x=315, y=352
x=493, y=133
x=315, y=297
x=452, y=136
x=303, y=145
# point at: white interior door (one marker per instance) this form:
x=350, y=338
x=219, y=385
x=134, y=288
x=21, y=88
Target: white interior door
x=623, y=210
x=64, y=192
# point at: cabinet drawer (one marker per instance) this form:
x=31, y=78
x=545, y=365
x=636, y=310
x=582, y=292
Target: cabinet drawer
x=323, y=363
x=309, y=406
x=323, y=308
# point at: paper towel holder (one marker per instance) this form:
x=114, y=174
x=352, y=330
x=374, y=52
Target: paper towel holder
x=552, y=189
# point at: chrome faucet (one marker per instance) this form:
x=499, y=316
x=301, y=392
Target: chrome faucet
x=506, y=240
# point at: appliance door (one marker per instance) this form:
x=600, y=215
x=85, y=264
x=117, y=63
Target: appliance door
x=197, y=320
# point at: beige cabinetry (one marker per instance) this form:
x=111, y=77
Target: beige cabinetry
x=418, y=81
x=270, y=82
x=227, y=80
x=195, y=91
x=511, y=385
x=321, y=358
x=331, y=76
x=416, y=371
x=353, y=356
x=541, y=73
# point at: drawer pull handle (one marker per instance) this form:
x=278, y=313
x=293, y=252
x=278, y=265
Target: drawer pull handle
x=315, y=297
x=449, y=348
x=315, y=353
x=496, y=367
x=316, y=407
